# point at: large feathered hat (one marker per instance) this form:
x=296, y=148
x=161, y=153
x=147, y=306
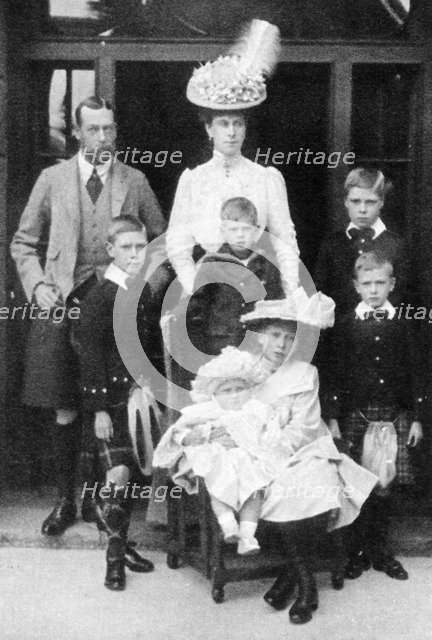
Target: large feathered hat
x=237, y=80
x=316, y=311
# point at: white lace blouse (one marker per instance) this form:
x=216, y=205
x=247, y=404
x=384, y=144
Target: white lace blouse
x=195, y=217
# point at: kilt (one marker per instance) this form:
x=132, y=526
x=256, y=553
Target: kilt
x=133, y=451
x=51, y=372
x=52, y=369
x=354, y=427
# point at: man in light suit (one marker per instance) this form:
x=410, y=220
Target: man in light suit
x=70, y=209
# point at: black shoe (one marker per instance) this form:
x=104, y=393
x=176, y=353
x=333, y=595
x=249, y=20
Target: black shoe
x=337, y=580
x=356, y=565
x=281, y=591
x=60, y=518
x=390, y=566
x=88, y=509
x=115, y=578
x=366, y=561
x=135, y=562
x=306, y=601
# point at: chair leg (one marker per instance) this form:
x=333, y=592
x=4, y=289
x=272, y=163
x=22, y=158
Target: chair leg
x=206, y=530
x=338, y=572
x=218, y=564
x=173, y=530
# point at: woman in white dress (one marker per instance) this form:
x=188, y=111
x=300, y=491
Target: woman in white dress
x=319, y=488
x=224, y=90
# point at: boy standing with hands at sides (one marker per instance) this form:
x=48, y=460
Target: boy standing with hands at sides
x=373, y=397
x=112, y=401
x=365, y=191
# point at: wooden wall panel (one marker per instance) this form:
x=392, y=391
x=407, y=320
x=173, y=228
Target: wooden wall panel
x=3, y=237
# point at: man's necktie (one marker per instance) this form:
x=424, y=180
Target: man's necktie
x=94, y=186
x=361, y=234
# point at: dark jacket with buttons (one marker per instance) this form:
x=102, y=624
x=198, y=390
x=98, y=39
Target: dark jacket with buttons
x=213, y=314
x=335, y=265
x=104, y=379
x=372, y=362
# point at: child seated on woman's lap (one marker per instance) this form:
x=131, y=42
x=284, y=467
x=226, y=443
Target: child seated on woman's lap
x=224, y=439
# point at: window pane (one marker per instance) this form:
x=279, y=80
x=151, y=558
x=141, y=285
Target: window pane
x=383, y=130
x=57, y=90
x=57, y=112
x=83, y=86
x=70, y=9
x=381, y=110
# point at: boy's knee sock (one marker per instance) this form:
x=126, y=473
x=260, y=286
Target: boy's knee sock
x=248, y=529
x=116, y=513
x=228, y=524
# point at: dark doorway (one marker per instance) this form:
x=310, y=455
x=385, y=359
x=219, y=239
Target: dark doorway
x=154, y=116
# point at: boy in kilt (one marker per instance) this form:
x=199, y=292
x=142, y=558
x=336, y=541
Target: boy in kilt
x=373, y=381
x=112, y=400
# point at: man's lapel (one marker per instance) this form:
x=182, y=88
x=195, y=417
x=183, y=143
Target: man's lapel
x=69, y=191
x=119, y=188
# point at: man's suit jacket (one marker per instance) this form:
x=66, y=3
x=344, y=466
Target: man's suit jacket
x=53, y=213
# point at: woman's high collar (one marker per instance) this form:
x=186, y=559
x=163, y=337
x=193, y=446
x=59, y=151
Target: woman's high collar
x=226, y=161
x=291, y=375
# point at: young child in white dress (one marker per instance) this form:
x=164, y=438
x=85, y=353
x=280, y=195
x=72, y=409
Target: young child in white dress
x=226, y=439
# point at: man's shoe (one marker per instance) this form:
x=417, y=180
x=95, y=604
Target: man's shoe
x=135, y=562
x=60, y=518
x=280, y=593
x=390, y=566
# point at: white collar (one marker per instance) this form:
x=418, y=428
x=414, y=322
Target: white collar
x=378, y=227
x=362, y=309
x=230, y=162
x=116, y=275
x=86, y=168
x=292, y=377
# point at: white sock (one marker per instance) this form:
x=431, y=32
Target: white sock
x=227, y=520
x=247, y=529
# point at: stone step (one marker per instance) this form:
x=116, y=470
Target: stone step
x=22, y=514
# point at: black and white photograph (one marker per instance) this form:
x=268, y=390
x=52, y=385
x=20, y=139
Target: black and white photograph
x=215, y=319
